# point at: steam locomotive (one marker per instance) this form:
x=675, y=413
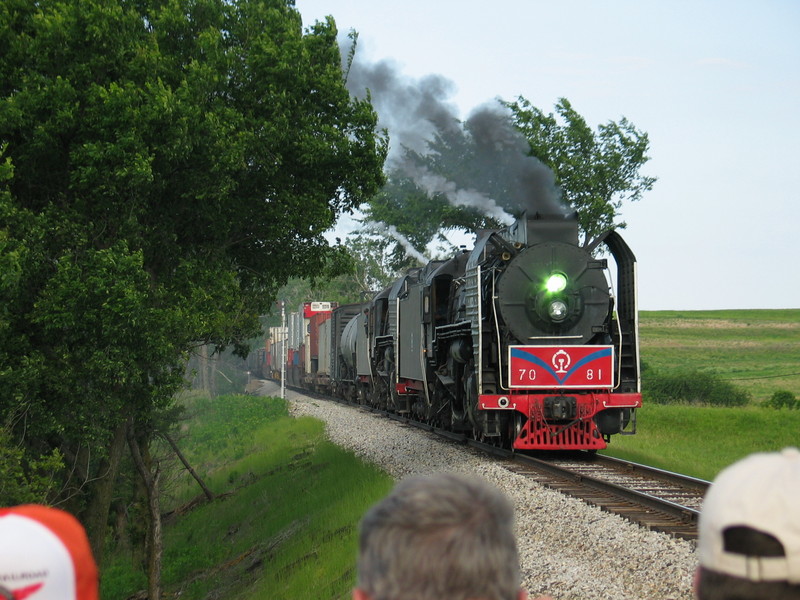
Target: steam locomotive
x=521, y=342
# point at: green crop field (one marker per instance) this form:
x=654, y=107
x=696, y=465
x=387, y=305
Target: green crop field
x=758, y=350
x=700, y=441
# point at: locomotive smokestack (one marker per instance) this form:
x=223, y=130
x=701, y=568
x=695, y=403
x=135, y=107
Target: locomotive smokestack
x=550, y=228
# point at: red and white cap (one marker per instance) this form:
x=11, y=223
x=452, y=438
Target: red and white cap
x=761, y=493
x=45, y=555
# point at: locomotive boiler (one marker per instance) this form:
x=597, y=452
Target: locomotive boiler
x=529, y=340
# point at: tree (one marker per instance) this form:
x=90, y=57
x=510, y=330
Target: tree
x=461, y=182
x=495, y=165
x=414, y=218
x=366, y=273
x=165, y=168
x=375, y=267
x=596, y=172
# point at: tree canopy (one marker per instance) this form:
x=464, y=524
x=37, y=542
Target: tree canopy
x=164, y=168
x=596, y=171
x=474, y=174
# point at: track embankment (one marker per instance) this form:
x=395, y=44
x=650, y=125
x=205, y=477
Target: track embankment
x=569, y=550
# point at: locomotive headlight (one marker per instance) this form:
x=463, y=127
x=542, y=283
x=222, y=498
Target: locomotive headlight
x=557, y=310
x=557, y=282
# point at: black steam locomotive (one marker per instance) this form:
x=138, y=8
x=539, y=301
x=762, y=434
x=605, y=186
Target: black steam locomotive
x=520, y=341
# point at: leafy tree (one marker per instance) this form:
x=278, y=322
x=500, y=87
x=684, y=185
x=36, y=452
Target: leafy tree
x=782, y=399
x=374, y=265
x=596, y=171
x=451, y=187
x=461, y=182
x=165, y=168
x=366, y=273
x=24, y=478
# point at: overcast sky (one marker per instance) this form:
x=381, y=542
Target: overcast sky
x=714, y=83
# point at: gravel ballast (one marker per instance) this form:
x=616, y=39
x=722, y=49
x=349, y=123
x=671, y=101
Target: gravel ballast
x=568, y=549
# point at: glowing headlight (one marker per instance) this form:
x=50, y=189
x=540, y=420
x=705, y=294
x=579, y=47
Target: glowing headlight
x=557, y=282
x=557, y=310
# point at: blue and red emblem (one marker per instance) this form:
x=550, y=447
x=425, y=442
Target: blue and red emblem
x=539, y=367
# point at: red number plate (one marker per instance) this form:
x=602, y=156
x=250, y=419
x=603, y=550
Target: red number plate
x=561, y=366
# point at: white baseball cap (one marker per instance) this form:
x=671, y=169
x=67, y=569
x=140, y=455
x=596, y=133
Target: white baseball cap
x=45, y=555
x=761, y=493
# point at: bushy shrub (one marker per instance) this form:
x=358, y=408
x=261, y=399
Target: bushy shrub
x=782, y=399
x=25, y=478
x=692, y=387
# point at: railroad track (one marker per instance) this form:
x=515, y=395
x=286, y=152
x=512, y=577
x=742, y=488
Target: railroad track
x=656, y=499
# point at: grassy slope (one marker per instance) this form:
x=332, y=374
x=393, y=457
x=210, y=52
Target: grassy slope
x=287, y=523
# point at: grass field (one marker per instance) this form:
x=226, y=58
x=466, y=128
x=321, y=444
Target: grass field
x=700, y=441
x=758, y=350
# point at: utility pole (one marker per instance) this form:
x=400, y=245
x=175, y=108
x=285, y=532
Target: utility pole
x=283, y=350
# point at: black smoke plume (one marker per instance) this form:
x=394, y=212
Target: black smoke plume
x=416, y=112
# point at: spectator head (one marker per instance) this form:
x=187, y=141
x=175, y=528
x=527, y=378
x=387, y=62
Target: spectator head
x=45, y=555
x=749, y=534
x=444, y=536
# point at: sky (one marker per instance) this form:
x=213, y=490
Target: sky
x=714, y=83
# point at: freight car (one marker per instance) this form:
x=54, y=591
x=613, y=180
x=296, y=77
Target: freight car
x=526, y=341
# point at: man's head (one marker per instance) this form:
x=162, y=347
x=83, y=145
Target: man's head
x=444, y=536
x=749, y=535
x=45, y=554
